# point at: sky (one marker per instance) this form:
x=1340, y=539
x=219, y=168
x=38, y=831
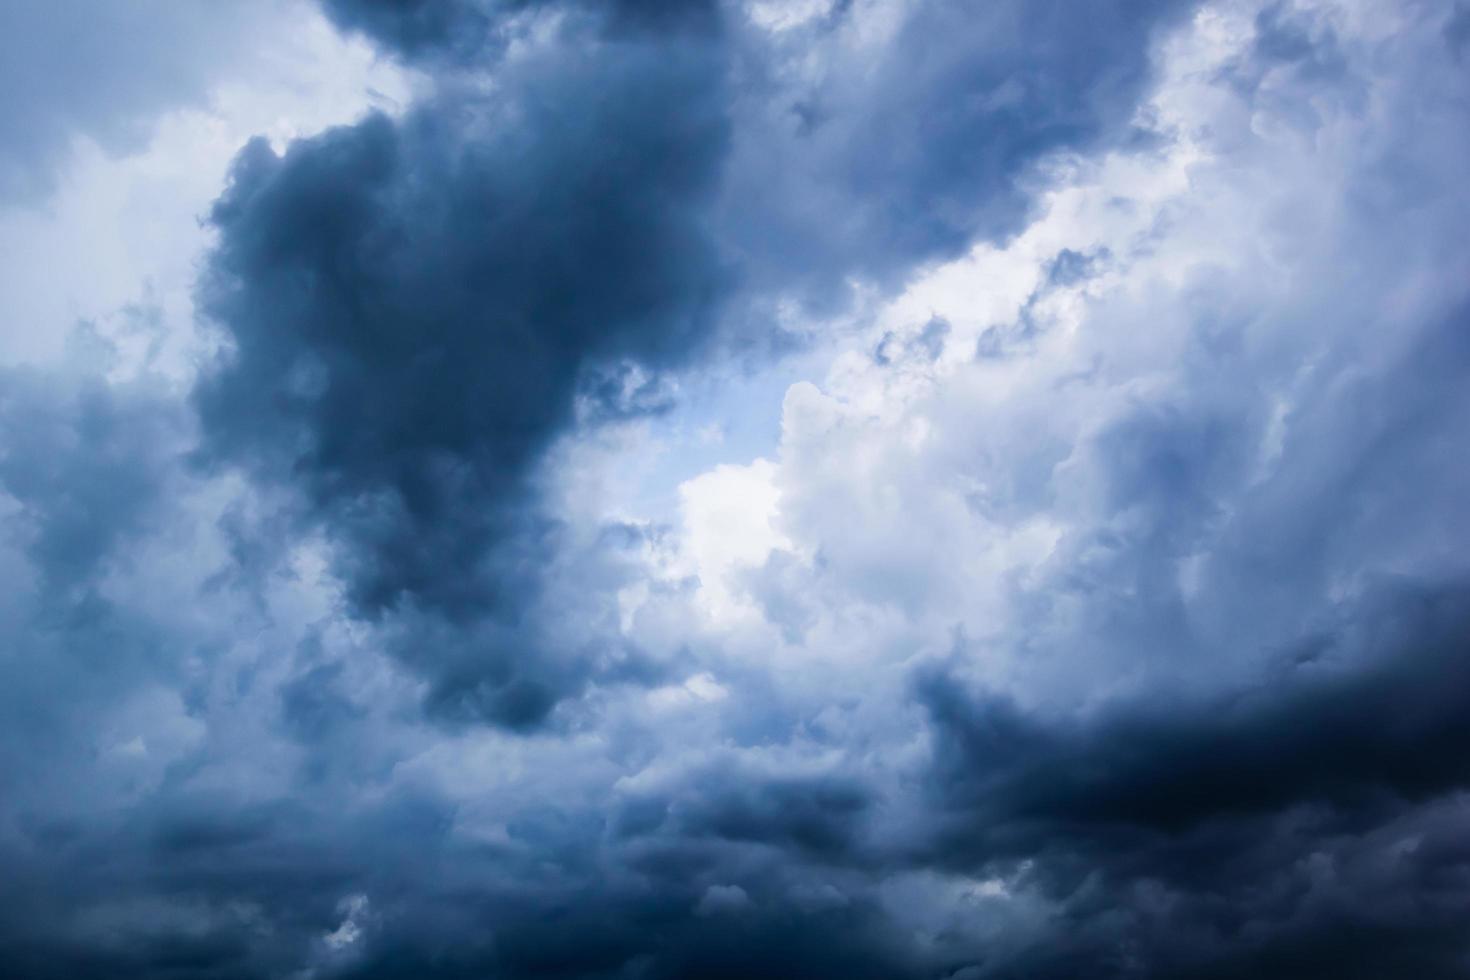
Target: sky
x=642, y=489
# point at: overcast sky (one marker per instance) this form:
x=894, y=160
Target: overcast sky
x=641, y=489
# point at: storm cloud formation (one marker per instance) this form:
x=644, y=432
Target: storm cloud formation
x=415, y=305
x=1096, y=605
x=1189, y=829
x=415, y=309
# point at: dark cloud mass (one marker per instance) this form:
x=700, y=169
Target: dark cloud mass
x=1211, y=819
x=413, y=307
x=1102, y=612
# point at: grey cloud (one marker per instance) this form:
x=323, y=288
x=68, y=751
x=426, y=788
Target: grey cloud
x=469, y=33
x=1257, y=773
x=87, y=462
x=1345, y=728
x=414, y=309
x=416, y=27
x=415, y=302
x=910, y=150
x=86, y=469
x=1236, y=835
x=820, y=816
x=124, y=62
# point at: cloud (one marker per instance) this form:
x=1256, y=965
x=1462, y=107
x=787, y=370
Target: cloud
x=472, y=33
x=417, y=26
x=85, y=473
x=1225, y=799
x=87, y=463
x=414, y=308
x=414, y=311
x=1181, y=511
x=126, y=62
x=880, y=136
x=1098, y=609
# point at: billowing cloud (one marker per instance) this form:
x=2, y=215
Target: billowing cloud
x=414, y=310
x=1095, y=606
x=1238, y=834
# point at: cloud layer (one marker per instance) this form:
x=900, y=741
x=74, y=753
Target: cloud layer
x=1096, y=609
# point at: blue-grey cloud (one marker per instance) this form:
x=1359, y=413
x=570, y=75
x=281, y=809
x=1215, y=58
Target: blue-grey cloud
x=1122, y=634
x=102, y=69
x=1220, y=804
x=470, y=33
x=415, y=308
x=909, y=151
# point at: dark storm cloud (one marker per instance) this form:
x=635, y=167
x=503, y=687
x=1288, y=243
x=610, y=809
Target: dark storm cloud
x=1216, y=808
x=416, y=309
x=253, y=894
x=820, y=816
x=411, y=305
x=783, y=942
x=1311, y=825
x=217, y=890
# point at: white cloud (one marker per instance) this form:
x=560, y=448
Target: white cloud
x=728, y=520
